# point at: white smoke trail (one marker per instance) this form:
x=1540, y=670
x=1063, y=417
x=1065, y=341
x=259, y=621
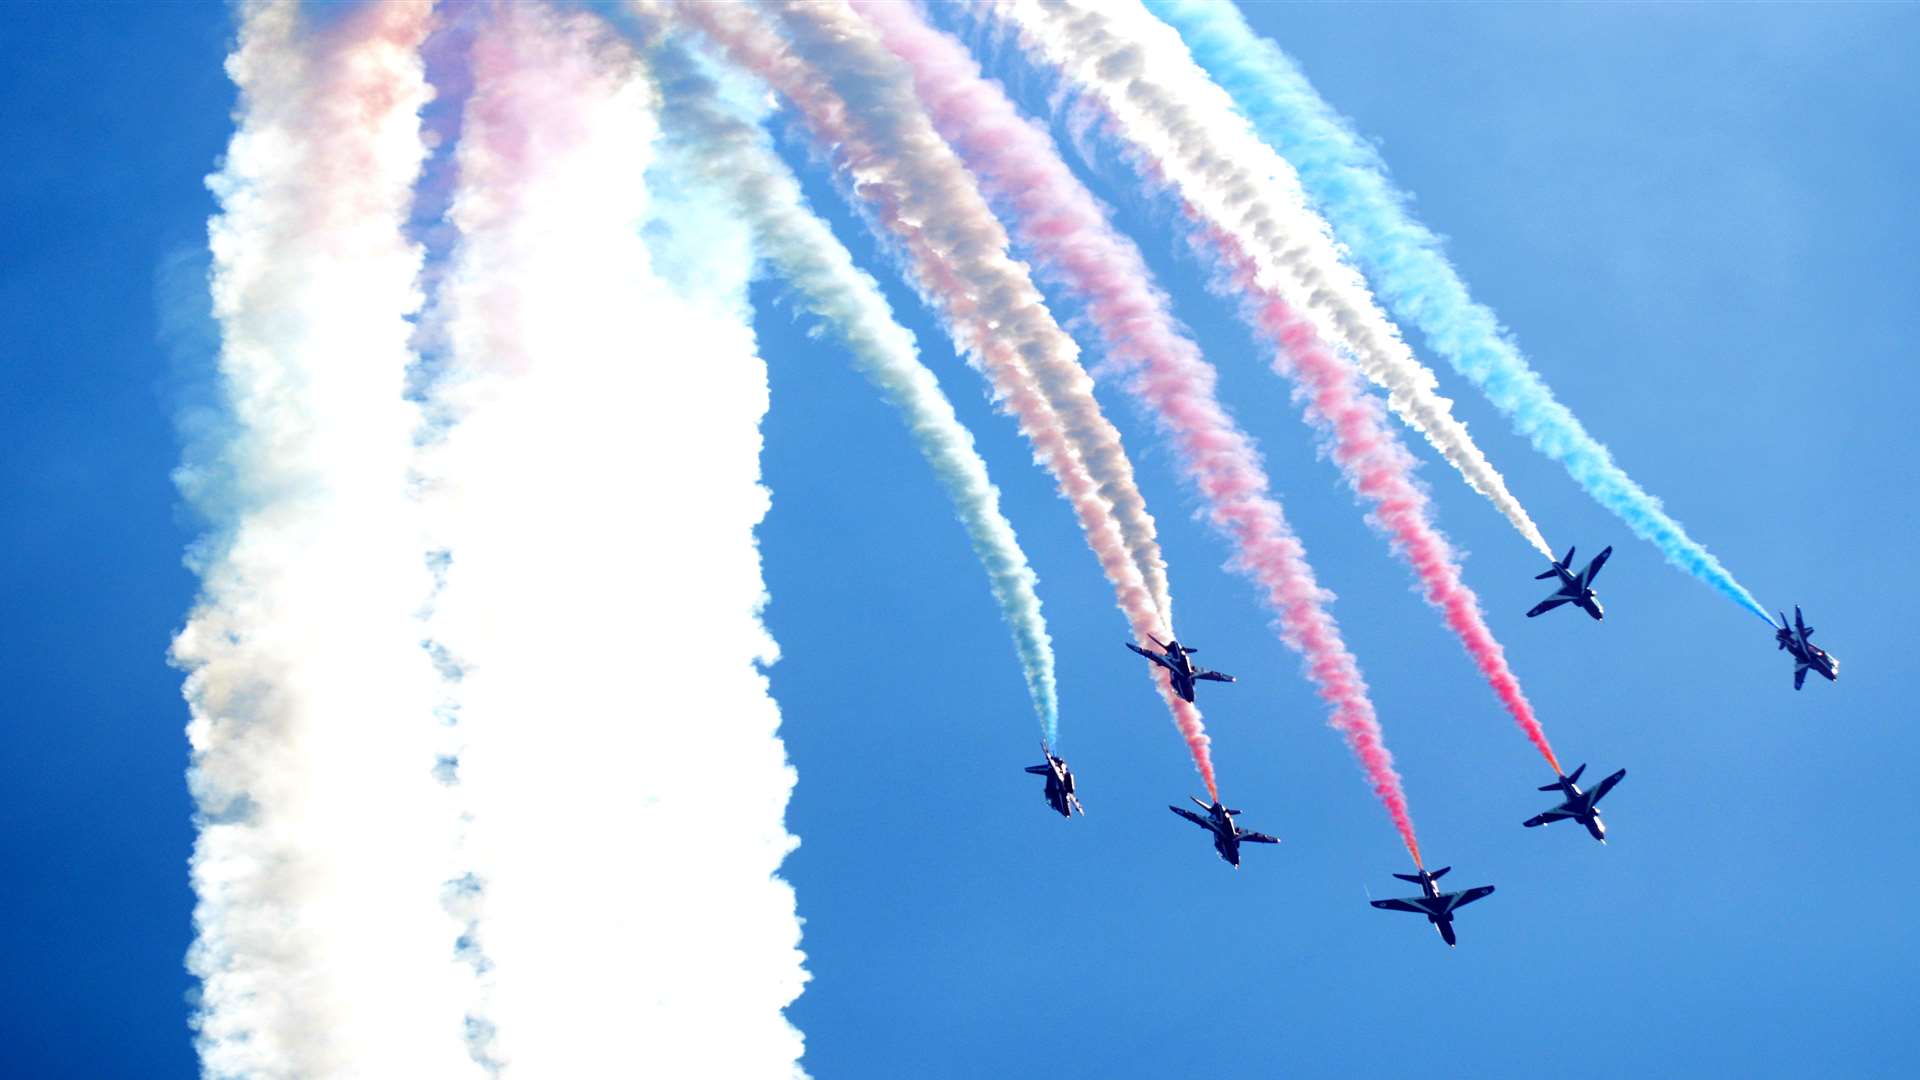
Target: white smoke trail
x=733, y=155
x=597, y=489
x=325, y=838
x=857, y=98
x=1163, y=103
x=845, y=62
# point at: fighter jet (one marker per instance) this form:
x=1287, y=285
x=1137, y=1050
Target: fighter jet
x=1574, y=588
x=1437, y=906
x=1060, y=794
x=1176, y=662
x=1580, y=805
x=1806, y=655
x=1227, y=834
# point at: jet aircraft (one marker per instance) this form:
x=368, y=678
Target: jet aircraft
x=1806, y=655
x=1059, y=792
x=1574, y=588
x=1182, y=669
x=1580, y=805
x=1437, y=906
x=1227, y=834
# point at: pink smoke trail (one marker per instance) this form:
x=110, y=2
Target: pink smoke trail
x=1068, y=232
x=956, y=248
x=1378, y=468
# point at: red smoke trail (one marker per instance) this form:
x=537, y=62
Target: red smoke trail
x=1379, y=469
x=1059, y=219
x=870, y=147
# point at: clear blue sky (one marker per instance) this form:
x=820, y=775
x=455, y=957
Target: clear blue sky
x=1698, y=221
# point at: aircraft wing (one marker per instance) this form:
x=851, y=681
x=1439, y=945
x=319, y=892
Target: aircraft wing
x=1257, y=838
x=1214, y=676
x=1555, y=814
x=1153, y=656
x=1593, y=568
x=1193, y=817
x=1466, y=896
x=1546, y=605
x=1399, y=905
x=1800, y=674
x=1605, y=786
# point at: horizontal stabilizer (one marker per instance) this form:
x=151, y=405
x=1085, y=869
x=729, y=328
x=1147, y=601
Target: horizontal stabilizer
x=1555, y=572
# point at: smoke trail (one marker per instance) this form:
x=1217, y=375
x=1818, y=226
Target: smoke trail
x=325, y=839
x=1347, y=179
x=856, y=98
x=1057, y=376
x=1376, y=465
x=1149, y=84
x=622, y=767
x=1068, y=232
x=734, y=156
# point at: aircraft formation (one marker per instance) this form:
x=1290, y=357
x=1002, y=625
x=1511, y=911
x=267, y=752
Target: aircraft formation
x=1438, y=907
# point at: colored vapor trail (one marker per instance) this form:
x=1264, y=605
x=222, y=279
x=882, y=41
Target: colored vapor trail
x=1069, y=234
x=856, y=98
x=730, y=153
x=1103, y=58
x=595, y=487
x=1170, y=110
x=325, y=841
x=1347, y=179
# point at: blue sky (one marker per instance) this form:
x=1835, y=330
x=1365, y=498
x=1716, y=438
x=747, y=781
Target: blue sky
x=1693, y=218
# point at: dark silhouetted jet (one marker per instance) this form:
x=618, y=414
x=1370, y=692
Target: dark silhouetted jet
x=1574, y=588
x=1060, y=794
x=1227, y=835
x=1437, y=906
x=1806, y=655
x=1176, y=662
x=1580, y=805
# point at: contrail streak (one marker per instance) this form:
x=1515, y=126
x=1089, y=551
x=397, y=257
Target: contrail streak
x=325, y=842
x=1139, y=72
x=1347, y=179
x=596, y=490
x=856, y=98
x=733, y=155
x=1059, y=220
x=1115, y=67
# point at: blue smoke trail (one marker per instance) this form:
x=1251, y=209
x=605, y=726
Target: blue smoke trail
x=1348, y=181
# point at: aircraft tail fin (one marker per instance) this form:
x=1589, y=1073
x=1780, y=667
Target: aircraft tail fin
x=1440, y=873
x=1415, y=878
x=1550, y=573
x=1566, y=781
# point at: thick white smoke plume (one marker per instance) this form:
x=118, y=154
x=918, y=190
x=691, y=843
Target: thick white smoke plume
x=596, y=491
x=1188, y=132
x=325, y=839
